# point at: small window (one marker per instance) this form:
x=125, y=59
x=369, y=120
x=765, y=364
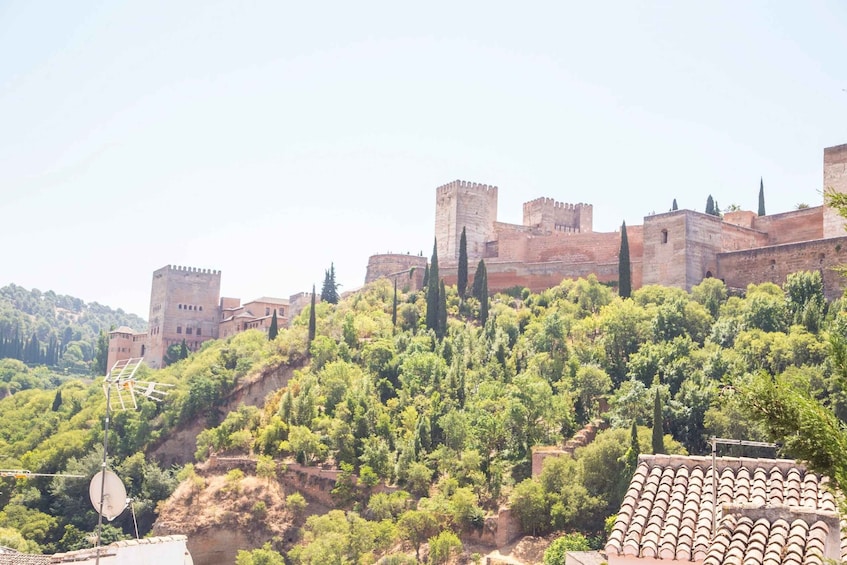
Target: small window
x=267, y=311
x=179, y=329
x=143, y=349
x=198, y=331
x=664, y=236
x=188, y=331
x=179, y=306
x=201, y=308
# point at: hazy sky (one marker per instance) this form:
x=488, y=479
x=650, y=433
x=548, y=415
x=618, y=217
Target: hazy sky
x=269, y=139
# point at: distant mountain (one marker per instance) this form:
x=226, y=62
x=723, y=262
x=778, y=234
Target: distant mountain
x=60, y=331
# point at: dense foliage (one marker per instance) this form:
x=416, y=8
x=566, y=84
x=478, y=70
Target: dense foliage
x=62, y=332
x=448, y=417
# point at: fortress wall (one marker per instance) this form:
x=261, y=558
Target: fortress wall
x=834, y=178
x=775, y=263
x=396, y=265
x=467, y=205
x=704, y=236
x=743, y=218
x=790, y=227
x=735, y=237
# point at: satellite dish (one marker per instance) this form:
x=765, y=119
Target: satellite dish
x=114, y=494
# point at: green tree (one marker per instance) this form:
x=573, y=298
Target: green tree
x=264, y=556
x=183, y=350
x=441, y=326
x=312, y=324
x=102, y=355
x=273, y=331
x=761, y=197
x=658, y=441
x=462, y=273
x=674, y=207
x=394, y=306
x=433, y=291
x=329, y=291
x=624, y=270
x=480, y=290
x=443, y=546
x=556, y=552
x=416, y=527
x=710, y=206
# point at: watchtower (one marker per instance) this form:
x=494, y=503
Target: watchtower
x=834, y=178
x=467, y=205
x=184, y=305
x=548, y=215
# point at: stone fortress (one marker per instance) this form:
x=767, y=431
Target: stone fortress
x=186, y=305
x=678, y=248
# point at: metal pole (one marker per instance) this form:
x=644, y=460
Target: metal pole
x=103, y=474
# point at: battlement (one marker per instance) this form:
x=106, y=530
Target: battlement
x=461, y=184
x=192, y=270
x=543, y=201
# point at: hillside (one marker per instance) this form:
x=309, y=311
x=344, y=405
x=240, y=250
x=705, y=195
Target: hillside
x=45, y=328
x=415, y=437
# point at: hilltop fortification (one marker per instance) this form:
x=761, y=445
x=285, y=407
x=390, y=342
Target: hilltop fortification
x=678, y=248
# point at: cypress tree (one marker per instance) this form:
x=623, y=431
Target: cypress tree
x=710, y=206
x=476, y=288
x=57, y=401
x=462, y=273
x=441, y=327
x=432, y=291
x=674, y=207
x=312, y=324
x=394, y=306
x=624, y=270
x=717, y=209
x=183, y=350
x=483, y=295
x=658, y=429
x=761, y=197
x=630, y=461
x=273, y=331
x=426, y=276
x=329, y=292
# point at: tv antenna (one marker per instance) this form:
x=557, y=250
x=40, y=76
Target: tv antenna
x=121, y=382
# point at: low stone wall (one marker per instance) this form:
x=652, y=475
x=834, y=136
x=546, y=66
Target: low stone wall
x=580, y=439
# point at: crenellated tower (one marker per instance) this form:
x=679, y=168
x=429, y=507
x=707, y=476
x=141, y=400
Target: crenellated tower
x=548, y=215
x=467, y=205
x=184, y=305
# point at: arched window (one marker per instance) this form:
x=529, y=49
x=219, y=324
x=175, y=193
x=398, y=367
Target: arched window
x=664, y=236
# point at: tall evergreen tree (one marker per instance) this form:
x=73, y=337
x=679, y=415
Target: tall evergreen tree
x=101, y=357
x=432, y=291
x=624, y=270
x=426, y=276
x=717, y=209
x=312, y=324
x=658, y=440
x=329, y=292
x=483, y=301
x=394, y=306
x=674, y=207
x=630, y=461
x=476, y=287
x=183, y=350
x=462, y=273
x=710, y=206
x=761, y=197
x=441, y=327
x=273, y=331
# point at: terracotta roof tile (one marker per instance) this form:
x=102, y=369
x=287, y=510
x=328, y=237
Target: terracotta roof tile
x=769, y=511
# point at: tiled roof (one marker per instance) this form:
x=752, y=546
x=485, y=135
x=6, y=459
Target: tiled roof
x=112, y=548
x=667, y=512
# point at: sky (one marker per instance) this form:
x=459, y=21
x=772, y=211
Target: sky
x=270, y=139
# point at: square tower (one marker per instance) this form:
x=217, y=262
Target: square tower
x=834, y=178
x=467, y=205
x=184, y=305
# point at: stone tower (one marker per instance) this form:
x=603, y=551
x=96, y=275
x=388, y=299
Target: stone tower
x=548, y=215
x=468, y=205
x=184, y=305
x=835, y=178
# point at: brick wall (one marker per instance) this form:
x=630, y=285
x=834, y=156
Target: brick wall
x=399, y=266
x=775, y=263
